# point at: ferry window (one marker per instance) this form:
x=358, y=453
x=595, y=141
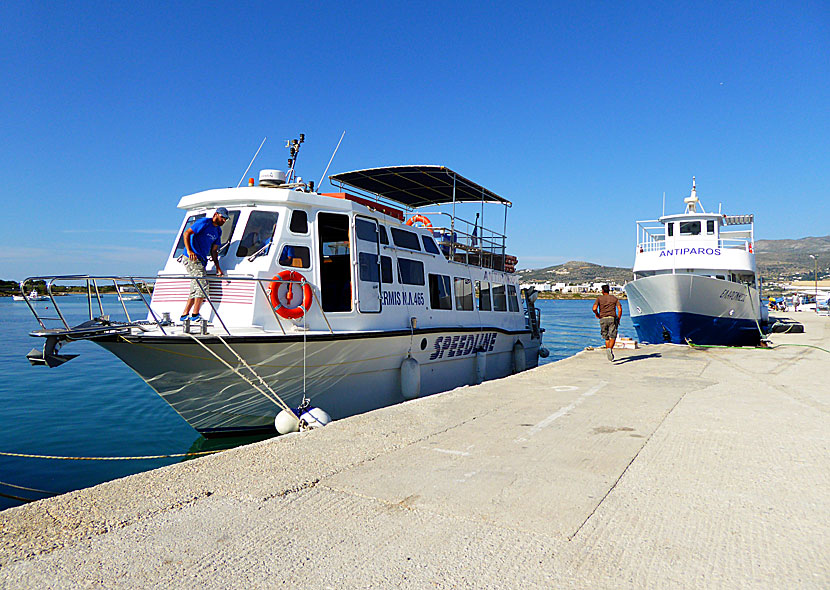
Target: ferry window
x=384, y=239
x=335, y=262
x=385, y=269
x=710, y=227
x=227, y=232
x=258, y=234
x=410, y=272
x=368, y=267
x=689, y=228
x=366, y=230
x=463, y=294
x=670, y=227
x=512, y=300
x=440, y=296
x=499, y=300
x=483, y=294
x=429, y=245
x=295, y=256
x=406, y=239
x=299, y=222
x=180, y=249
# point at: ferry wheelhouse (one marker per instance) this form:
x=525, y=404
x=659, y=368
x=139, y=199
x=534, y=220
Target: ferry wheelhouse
x=695, y=279
x=336, y=299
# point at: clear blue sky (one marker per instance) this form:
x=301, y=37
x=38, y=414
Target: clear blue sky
x=581, y=113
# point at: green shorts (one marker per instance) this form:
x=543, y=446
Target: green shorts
x=608, y=328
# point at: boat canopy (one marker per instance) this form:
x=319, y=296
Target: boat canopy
x=418, y=186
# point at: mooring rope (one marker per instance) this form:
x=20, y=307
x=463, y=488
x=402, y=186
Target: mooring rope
x=275, y=398
x=137, y=458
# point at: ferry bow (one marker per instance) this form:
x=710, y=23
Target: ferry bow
x=695, y=279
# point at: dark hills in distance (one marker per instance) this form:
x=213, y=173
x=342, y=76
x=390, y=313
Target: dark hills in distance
x=776, y=260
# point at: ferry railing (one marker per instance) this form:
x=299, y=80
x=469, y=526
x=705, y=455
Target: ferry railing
x=470, y=237
x=95, y=298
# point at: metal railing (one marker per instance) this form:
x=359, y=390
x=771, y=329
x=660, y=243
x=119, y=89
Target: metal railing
x=485, y=247
x=94, y=296
x=659, y=245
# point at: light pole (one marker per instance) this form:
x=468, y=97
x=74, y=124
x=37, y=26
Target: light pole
x=815, y=277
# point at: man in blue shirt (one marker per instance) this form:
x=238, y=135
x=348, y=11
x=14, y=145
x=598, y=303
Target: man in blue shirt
x=201, y=239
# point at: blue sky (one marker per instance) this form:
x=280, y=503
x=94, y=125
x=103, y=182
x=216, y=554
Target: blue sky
x=582, y=114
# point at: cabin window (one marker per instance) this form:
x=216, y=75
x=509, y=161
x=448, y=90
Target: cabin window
x=463, y=294
x=180, y=249
x=512, y=298
x=366, y=230
x=410, y=272
x=670, y=227
x=368, y=267
x=335, y=262
x=483, y=295
x=710, y=227
x=440, y=296
x=405, y=239
x=384, y=239
x=299, y=222
x=295, y=256
x=227, y=232
x=689, y=228
x=385, y=269
x=429, y=245
x=499, y=299
x=259, y=231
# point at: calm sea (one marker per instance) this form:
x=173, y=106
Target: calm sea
x=95, y=406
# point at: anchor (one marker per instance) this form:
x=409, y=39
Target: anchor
x=49, y=355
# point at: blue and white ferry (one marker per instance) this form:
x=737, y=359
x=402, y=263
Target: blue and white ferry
x=351, y=301
x=695, y=279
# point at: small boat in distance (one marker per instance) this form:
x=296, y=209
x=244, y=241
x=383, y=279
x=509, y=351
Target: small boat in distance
x=695, y=279
x=332, y=299
x=128, y=293
x=33, y=295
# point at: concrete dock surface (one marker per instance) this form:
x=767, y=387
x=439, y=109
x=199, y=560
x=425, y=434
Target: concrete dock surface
x=672, y=467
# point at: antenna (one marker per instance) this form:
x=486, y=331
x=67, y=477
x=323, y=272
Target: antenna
x=252, y=162
x=322, y=178
x=664, y=204
x=293, y=146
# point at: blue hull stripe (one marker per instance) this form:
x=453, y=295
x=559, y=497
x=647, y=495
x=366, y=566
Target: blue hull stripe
x=676, y=327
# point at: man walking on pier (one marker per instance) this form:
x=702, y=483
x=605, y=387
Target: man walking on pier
x=609, y=311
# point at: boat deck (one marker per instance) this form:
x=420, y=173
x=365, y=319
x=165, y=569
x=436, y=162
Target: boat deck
x=673, y=467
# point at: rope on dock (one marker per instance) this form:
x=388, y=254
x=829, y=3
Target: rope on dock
x=137, y=458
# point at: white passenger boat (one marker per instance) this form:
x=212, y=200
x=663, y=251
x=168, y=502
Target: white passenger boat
x=695, y=279
x=335, y=298
x=32, y=295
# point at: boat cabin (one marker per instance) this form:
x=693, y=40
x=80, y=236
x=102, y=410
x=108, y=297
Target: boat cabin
x=697, y=242
x=367, y=267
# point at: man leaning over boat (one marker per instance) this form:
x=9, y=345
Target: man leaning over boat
x=609, y=311
x=201, y=239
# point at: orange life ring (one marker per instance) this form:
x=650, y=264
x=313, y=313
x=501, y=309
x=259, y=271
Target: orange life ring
x=290, y=313
x=420, y=218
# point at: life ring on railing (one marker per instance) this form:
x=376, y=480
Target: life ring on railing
x=750, y=247
x=422, y=219
x=280, y=304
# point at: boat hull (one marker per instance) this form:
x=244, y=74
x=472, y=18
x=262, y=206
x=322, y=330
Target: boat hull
x=344, y=374
x=681, y=308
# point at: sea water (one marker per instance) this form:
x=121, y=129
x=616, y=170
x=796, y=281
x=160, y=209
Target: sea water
x=95, y=406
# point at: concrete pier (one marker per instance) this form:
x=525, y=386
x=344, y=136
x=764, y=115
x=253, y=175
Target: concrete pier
x=672, y=467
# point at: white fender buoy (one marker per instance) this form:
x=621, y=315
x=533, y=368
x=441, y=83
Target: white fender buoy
x=286, y=422
x=410, y=378
x=544, y=352
x=481, y=366
x=519, y=358
x=315, y=417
